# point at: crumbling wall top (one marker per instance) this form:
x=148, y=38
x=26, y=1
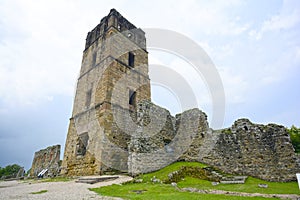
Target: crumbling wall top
x=118, y=22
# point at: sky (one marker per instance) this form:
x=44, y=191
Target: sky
x=253, y=44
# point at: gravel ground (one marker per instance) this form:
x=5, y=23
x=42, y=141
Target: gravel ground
x=56, y=190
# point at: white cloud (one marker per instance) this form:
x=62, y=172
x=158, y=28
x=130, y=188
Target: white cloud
x=297, y=54
x=42, y=46
x=236, y=86
x=190, y=17
x=41, y=43
x=188, y=85
x=288, y=18
x=38, y=55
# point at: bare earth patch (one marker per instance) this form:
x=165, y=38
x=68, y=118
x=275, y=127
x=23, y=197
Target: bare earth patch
x=55, y=190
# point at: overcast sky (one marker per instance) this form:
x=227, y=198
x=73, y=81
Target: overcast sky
x=254, y=45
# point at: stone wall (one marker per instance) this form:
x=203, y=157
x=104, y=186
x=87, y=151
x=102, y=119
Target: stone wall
x=48, y=158
x=81, y=160
x=163, y=138
x=263, y=151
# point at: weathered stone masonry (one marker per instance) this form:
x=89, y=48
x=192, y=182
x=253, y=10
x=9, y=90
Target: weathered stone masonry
x=48, y=158
x=113, y=78
x=263, y=151
x=115, y=126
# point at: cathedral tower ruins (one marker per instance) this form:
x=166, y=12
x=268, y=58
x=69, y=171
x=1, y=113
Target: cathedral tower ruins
x=116, y=128
x=113, y=78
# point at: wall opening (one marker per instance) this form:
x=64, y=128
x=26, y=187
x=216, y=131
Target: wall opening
x=132, y=98
x=94, y=59
x=131, y=59
x=88, y=98
x=82, y=144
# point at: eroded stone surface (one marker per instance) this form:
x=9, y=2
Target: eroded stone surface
x=263, y=151
x=48, y=158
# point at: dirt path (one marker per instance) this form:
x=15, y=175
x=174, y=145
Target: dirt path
x=55, y=190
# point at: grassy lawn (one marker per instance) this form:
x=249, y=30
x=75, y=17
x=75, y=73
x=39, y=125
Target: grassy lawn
x=148, y=190
x=160, y=192
x=251, y=186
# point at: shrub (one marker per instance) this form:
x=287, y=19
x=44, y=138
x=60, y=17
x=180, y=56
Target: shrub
x=295, y=137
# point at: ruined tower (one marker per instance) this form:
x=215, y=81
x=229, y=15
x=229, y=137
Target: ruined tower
x=115, y=126
x=113, y=78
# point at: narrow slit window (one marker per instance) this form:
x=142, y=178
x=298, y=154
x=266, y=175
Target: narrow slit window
x=131, y=59
x=132, y=97
x=88, y=98
x=94, y=59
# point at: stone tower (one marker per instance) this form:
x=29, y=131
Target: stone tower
x=115, y=126
x=113, y=78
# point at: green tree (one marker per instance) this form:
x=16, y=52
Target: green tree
x=10, y=170
x=295, y=137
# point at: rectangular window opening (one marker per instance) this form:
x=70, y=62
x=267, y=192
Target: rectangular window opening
x=88, y=98
x=94, y=59
x=132, y=97
x=131, y=59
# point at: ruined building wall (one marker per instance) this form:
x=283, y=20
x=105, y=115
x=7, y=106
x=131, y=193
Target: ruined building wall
x=48, y=158
x=114, y=125
x=164, y=139
x=263, y=151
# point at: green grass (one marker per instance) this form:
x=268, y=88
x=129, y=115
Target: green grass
x=251, y=186
x=157, y=191
x=39, y=192
x=161, y=192
x=163, y=173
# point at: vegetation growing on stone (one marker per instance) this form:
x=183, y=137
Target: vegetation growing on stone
x=163, y=173
x=295, y=137
x=227, y=131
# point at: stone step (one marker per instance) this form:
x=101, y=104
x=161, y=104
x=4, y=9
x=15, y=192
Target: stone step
x=92, y=180
x=234, y=180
